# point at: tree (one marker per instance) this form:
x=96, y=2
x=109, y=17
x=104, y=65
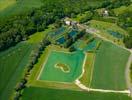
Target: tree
x=72, y=49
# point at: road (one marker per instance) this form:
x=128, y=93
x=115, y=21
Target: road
x=79, y=84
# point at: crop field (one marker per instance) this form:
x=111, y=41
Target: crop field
x=73, y=61
x=109, y=71
x=12, y=64
x=55, y=94
x=12, y=7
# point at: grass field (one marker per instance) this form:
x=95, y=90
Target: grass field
x=13, y=7
x=12, y=64
x=109, y=69
x=6, y=3
x=35, y=93
x=73, y=60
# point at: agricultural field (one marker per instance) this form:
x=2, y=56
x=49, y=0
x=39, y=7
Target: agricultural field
x=13, y=62
x=109, y=71
x=13, y=7
x=55, y=94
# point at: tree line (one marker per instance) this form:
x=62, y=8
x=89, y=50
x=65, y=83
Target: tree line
x=18, y=28
x=32, y=61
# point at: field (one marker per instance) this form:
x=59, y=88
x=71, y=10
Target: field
x=122, y=9
x=13, y=7
x=54, y=94
x=13, y=62
x=6, y=3
x=73, y=60
x=89, y=65
x=109, y=71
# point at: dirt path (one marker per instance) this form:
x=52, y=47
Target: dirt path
x=79, y=84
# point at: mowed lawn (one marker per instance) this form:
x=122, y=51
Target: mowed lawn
x=73, y=60
x=109, y=68
x=35, y=93
x=12, y=64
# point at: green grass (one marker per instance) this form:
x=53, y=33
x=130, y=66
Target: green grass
x=80, y=44
x=20, y=6
x=6, y=3
x=73, y=60
x=35, y=93
x=12, y=64
x=104, y=27
x=109, y=68
x=107, y=26
x=122, y=9
x=89, y=64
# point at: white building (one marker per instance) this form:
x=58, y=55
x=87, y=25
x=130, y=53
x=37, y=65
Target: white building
x=106, y=13
x=67, y=22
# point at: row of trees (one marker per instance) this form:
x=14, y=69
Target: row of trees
x=33, y=60
x=131, y=71
x=125, y=21
x=72, y=39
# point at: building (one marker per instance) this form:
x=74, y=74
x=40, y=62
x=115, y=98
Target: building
x=105, y=13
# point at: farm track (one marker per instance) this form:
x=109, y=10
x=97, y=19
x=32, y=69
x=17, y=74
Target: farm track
x=128, y=80
x=79, y=84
